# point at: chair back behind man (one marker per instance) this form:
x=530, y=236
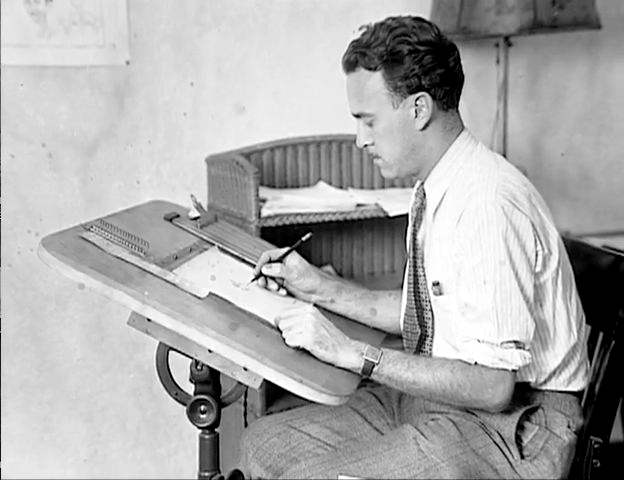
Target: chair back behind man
x=599, y=275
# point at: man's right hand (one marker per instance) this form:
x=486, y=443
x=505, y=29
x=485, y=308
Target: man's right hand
x=293, y=275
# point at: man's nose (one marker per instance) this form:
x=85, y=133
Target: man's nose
x=362, y=139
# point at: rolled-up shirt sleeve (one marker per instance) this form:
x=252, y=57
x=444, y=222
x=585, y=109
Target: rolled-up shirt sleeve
x=495, y=254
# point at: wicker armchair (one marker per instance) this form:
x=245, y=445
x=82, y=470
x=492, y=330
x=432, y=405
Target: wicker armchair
x=363, y=244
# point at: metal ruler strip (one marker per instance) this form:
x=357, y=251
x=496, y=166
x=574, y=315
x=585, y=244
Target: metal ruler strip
x=236, y=240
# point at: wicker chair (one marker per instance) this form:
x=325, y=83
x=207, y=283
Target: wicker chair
x=364, y=244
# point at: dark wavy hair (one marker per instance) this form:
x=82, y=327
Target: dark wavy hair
x=413, y=56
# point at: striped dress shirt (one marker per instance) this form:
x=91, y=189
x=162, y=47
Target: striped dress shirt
x=500, y=282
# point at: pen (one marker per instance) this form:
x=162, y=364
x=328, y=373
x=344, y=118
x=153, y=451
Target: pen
x=285, y=254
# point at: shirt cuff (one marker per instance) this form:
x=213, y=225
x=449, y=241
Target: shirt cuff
x=507, y=355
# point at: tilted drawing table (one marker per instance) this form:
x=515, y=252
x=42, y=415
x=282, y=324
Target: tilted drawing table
x=215, y=334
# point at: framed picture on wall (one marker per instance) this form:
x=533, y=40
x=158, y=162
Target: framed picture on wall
x=64, y=32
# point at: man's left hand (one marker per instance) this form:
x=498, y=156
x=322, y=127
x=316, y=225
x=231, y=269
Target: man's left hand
x=306, y=327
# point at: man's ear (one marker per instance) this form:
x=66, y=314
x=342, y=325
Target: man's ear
x=422, y=109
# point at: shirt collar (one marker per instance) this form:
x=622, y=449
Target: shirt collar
x=443, y=172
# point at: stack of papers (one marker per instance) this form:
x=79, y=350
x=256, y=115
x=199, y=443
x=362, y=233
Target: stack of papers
x=394, y=201
x=323, y=197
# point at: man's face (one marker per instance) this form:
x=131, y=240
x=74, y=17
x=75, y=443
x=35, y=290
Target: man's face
x=386, y=132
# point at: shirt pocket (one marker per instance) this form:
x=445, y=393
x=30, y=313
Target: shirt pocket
x=445, y=325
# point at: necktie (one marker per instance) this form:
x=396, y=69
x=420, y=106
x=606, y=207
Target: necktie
x=418, y=316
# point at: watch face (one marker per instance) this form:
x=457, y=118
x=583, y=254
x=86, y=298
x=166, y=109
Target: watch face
x=372, y=353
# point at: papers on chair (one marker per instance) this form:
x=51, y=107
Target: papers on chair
x=323, y=197
x=229, y=278
x=394, y=201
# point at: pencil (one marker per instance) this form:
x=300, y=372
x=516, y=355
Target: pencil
x=289, y=250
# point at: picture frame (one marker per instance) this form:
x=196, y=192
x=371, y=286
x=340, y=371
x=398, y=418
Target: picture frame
x=64, y=32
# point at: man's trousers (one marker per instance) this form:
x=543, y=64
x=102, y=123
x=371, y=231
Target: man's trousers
x=383, y=433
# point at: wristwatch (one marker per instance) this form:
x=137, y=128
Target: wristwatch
x=371, y=356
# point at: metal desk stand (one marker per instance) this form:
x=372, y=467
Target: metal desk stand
x=203, y=408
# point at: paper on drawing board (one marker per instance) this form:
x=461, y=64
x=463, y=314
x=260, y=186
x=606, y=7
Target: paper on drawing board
x=229, y=278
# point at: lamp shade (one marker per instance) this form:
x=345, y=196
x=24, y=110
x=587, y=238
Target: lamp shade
x=466, y=19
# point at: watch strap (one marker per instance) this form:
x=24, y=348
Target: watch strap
x=371, y=356
x=367, y=368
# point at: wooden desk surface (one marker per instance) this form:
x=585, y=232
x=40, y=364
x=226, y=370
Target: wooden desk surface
x=210, y=327
x=613, y=240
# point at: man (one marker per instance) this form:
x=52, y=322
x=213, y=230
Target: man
x=494, y=355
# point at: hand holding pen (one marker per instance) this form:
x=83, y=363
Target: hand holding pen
x=280, y=258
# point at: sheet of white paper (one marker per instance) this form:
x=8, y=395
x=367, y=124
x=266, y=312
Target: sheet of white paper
x=320, y=197
x=323, y=197
x=394, y=201
x=229, y=278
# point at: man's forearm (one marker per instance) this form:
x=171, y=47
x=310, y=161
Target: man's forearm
x=444, y=380
x=375, y=308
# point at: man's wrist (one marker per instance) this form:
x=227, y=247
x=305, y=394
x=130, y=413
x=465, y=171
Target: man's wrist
x=371, y=357
x=354, y=361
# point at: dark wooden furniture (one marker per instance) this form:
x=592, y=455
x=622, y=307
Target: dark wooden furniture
x=599, y=274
